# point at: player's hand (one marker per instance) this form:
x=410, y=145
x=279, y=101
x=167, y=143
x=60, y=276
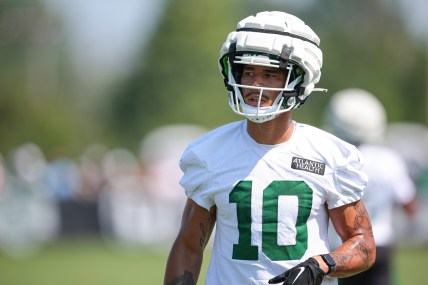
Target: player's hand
x=305, y=273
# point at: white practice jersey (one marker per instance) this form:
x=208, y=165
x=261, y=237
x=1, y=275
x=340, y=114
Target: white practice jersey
x=389, y=185
x=271, y=200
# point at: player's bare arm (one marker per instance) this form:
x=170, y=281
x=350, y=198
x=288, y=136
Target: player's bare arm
x=185, y=259
x=358, y=251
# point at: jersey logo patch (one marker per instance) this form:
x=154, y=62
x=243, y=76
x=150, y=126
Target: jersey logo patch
x=308, y=165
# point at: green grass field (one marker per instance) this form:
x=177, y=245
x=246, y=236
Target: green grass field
x=92, y=262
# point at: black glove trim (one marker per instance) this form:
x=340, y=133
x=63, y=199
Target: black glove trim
x=305, y=273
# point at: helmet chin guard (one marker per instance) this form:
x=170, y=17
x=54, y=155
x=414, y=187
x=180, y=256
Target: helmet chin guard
x=278, y=40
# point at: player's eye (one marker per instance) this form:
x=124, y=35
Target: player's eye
x=271, y=75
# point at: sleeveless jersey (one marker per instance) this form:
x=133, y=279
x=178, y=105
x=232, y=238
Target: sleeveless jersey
x=271, y=200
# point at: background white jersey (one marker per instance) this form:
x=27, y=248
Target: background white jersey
x=271, y=199
x=389, y=185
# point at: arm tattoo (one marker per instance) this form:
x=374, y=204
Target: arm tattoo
x=364, y=253
x=342, y=261
x=185, y=279
x=362, y=220
x=205, y=231
x=359, y=249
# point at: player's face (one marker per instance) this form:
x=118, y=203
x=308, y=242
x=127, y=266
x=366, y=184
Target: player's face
x=261, y=76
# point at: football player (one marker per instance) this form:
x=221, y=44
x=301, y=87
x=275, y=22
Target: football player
x=267, y=183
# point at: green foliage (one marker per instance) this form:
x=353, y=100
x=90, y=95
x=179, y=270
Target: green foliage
x=365, y=46
x=370, y=49
x=34, y=105
x=177, y=78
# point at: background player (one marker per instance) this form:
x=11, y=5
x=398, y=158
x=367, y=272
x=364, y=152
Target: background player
x=358, y=117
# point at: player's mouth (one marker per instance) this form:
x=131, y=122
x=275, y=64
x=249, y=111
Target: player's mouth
x=253, y=100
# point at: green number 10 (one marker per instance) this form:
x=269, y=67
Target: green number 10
x=241, y=195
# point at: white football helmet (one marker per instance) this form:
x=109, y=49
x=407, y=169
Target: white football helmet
x=274, y=39
x=356, y=116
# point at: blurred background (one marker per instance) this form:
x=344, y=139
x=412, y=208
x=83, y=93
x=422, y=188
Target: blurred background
x=98, y=98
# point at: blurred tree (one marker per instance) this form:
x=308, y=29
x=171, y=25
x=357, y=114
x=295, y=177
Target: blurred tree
x=37, y=92
x=364, y=44
x=178, y=79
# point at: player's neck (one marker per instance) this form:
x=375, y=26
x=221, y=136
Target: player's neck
x=272, y=132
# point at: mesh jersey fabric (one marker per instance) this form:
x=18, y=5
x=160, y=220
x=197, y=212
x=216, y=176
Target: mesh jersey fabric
x=271, y=200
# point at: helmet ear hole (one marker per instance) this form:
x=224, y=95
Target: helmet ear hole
x=289, y=102
x=296, y=71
